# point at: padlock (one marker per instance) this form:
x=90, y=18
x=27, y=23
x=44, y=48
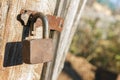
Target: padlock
x=38, y=50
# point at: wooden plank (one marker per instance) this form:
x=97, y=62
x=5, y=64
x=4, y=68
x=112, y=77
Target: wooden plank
x=11, y=31
x=75, y=26
x=71, y=11
x=67, y=10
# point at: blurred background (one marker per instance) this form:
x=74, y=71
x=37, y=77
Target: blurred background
x=95, y=50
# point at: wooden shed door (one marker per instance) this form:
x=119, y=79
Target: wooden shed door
x=11, y=67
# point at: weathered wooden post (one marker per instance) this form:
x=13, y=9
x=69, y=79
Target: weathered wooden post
x=71, y=12
x=11, y=31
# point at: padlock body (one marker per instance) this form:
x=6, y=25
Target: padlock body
x=37, y=51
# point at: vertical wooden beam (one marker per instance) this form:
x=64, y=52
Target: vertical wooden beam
x=73, y=30
x=71, y=11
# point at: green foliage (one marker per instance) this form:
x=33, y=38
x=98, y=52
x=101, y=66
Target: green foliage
x=100, y=51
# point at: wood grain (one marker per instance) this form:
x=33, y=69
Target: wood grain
x=11, y=31
x=71, y=11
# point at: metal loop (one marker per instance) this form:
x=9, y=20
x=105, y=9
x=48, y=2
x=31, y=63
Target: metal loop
x=44, y=21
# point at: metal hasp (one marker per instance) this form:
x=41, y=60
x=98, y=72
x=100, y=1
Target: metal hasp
x=55, y=23
x=38, y=50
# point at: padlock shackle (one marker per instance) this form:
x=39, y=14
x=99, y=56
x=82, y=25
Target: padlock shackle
x=45, y=23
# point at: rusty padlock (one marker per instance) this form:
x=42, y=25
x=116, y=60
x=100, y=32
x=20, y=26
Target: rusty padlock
x=38, y=50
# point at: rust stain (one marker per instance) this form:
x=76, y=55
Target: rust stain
x=10, y=34
x=55, y=23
